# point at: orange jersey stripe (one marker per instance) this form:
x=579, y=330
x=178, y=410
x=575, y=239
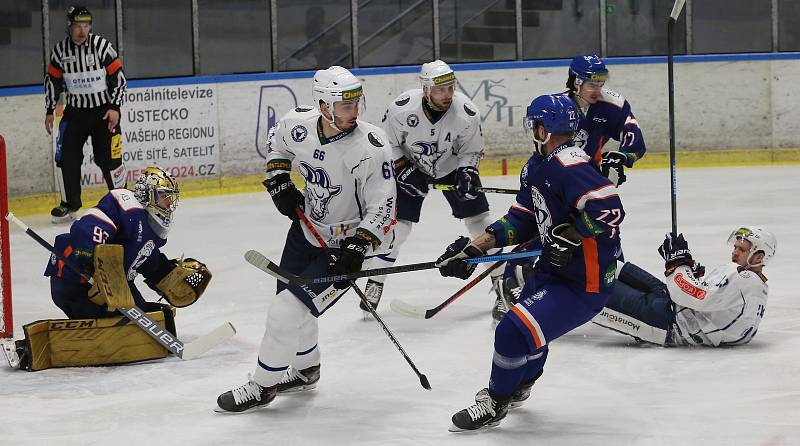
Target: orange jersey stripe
x=528, y=324
x=54, y=72
x=592, y=264
x=599, y=154
x=114, y=66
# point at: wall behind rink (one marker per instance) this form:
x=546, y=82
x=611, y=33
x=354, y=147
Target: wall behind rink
x=206, y=127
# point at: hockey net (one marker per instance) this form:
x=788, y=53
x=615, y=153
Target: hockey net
x=6, y=323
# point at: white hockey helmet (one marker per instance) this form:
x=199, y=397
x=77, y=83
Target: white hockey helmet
x=760, y=240
x=436, y=73
x=335, y=84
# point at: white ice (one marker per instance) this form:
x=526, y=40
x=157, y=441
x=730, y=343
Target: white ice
x=599, y=387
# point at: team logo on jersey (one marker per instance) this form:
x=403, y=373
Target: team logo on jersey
x=90, y=59
x=299, y=133
x=412, y=120
x=402, y=100
x=319, y=189
x=540, y=211
x=374, y=139
x=426, y=155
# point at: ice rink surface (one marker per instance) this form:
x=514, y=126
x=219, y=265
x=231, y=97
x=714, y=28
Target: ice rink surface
x=599, y=387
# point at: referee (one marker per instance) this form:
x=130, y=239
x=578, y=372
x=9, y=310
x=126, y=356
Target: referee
x=87, y=66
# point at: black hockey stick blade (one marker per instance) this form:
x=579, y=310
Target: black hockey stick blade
x=424, y=381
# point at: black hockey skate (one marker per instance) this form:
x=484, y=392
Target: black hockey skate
x=299, y=380
x=485, y=413
x=245, y=398
x=373, y=291
x=523, y=391
x=62, y=213
x=504, y=300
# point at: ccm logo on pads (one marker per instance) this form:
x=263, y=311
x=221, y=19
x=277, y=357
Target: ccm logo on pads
x=689, y=288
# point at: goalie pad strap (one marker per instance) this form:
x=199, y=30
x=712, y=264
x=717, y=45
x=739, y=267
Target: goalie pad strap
x=92, y=342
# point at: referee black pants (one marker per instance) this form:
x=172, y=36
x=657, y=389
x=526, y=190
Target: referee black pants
x=76, y=126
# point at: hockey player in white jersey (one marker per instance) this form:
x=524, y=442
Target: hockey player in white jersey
x=721, y=308
x=349, y=198
x=436, y=137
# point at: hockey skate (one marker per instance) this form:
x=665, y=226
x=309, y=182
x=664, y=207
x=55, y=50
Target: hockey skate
x=485, y=413
x=502, y=302
x=10, y=351
x=299, y=380
x=245, y=398
x=373, y=291
x=62, y=213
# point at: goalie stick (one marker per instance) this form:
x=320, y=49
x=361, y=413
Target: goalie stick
x=169, y=341
x=486, y=190
x=258, y=260
x=420, y=312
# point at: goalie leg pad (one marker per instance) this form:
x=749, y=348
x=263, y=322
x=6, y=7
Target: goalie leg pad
x=91, y=342
x=110, y=284
x=185, y=283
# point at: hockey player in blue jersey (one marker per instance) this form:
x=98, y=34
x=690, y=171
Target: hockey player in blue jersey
x=604, y=115
x=139, y=221
x=573, y=213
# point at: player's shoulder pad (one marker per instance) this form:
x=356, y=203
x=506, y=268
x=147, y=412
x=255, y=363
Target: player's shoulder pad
x=612, y=97
x=407, y=100
x=298, y=123
x=374, y=135
x=465, y=106
x=572, y=156
x=125, y=199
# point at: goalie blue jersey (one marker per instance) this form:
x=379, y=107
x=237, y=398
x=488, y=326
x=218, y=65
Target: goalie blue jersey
x=117, y=219
x=610, y=118
x=565, y=187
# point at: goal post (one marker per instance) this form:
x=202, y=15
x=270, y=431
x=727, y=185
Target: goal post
x=6, y=322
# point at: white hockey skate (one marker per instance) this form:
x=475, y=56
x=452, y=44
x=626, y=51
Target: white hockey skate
x=10, y=351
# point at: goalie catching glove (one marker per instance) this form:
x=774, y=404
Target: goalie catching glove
x=185, y=283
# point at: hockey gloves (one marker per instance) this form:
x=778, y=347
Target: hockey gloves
x=613, y=165
x=410, y=180
x=675, y=252
x=467, y=183
x=285, y=195
x=451, y=263
x=348, y=259
x=560, y=243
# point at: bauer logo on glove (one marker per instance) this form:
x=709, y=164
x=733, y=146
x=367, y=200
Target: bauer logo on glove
x=185, y=283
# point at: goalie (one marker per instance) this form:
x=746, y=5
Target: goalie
x=113, y=242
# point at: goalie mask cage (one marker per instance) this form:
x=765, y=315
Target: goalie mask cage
x=6, y=323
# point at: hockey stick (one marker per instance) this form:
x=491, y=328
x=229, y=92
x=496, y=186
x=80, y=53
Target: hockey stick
x=169, y=341
x=420, y=312
x=418, y=267
x=673, y=18
x=423, y=380
x=258, y=260
x=486, y=190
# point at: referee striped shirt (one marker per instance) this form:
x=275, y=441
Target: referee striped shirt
x=90, y=72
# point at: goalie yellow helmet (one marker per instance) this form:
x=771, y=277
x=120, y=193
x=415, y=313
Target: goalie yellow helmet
x=158, y=192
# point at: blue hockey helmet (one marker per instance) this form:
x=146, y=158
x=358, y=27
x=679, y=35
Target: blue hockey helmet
x=557, y=113
x=589, y=67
